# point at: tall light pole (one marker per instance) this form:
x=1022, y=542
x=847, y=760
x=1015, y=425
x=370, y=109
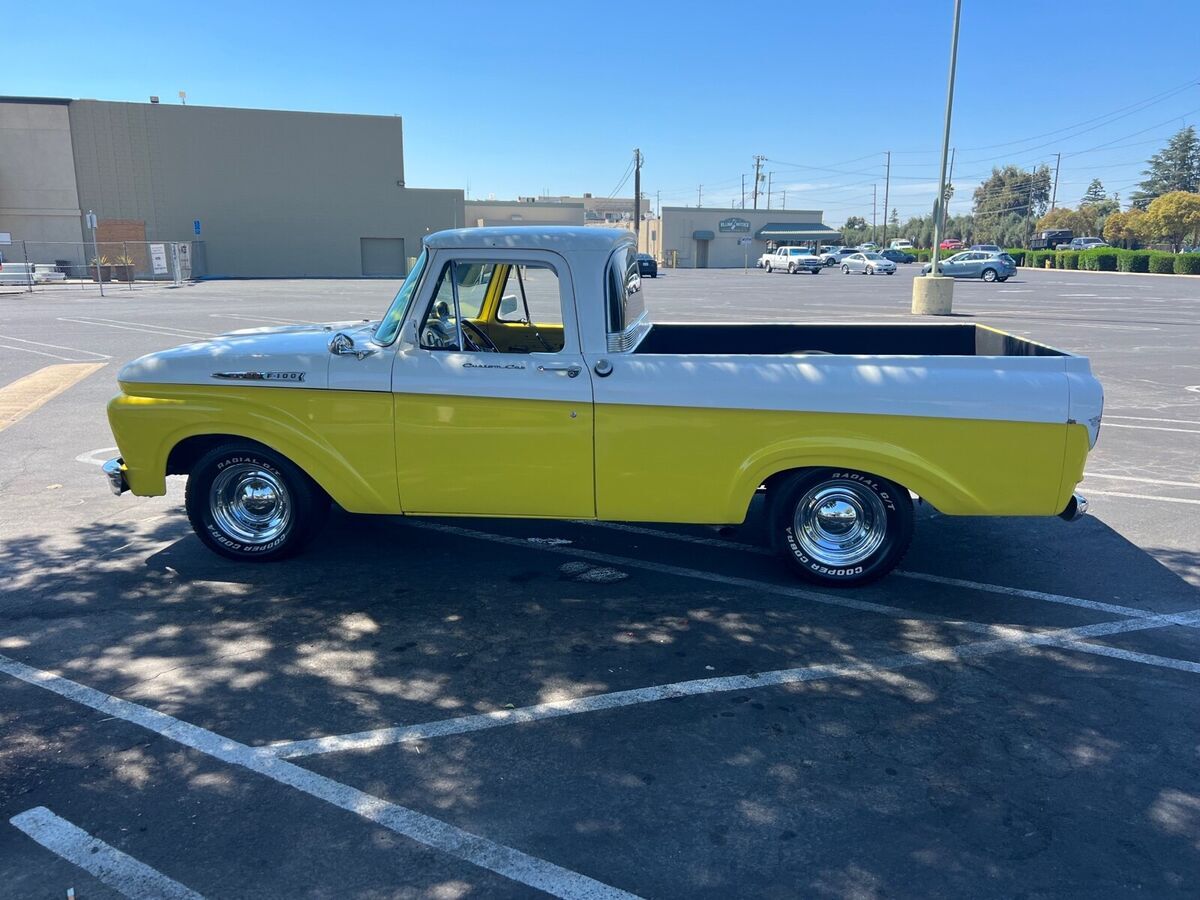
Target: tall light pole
x=937, y=297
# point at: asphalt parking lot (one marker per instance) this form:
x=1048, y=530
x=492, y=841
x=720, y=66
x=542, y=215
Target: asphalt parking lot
x=473, y=708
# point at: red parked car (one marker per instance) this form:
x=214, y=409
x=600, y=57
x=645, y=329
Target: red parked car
x=951, y=244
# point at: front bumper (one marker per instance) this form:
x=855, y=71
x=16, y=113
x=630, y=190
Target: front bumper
x=114, y=471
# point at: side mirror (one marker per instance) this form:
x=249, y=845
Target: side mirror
x=508, y=305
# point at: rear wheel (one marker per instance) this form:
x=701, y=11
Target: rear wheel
x=989, y=275
x=768, y=268
x=248, y=503
x=840, y=527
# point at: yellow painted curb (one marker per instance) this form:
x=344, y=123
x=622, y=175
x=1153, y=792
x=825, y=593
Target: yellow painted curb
x=23, y=396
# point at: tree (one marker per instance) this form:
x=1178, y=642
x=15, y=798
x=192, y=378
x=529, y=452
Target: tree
x=855, y=222
x=1013, y=190
x=855, y=230
x=1174, y=216
x=1095, y=192
x=1174, y=168
x=1061, y=217
x=1125, y=228
x=894, y=219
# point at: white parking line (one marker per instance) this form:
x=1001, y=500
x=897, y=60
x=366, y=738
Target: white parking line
x=88, y=355
x=1153, y=419
x=144, y=328
x=1108, y=424
x=261, y=319
x=454, y=841
x=119, y=871
x=1145, y=496
x=1066, y=638
x=1096, y=605
x=1186, y=484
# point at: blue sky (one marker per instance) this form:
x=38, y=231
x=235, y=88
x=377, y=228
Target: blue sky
x=517, y=98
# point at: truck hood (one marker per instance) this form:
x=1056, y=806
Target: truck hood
x=278, y=356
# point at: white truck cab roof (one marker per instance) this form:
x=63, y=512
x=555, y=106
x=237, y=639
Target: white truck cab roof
x=530, y=237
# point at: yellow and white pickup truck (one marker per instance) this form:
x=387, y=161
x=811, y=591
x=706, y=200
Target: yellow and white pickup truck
x=516, y=373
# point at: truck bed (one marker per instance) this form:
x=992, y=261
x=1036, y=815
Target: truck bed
x=967, y=339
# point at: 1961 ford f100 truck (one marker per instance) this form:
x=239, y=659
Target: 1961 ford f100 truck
x=516, y=373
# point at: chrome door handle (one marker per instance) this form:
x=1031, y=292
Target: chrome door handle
x=572, y=370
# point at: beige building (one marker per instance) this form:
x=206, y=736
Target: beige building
x=601, y=210
x=692, y=237
x=482, y=213
x=262, y=193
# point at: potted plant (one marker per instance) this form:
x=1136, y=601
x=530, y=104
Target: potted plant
x=101, y=269
x=122, y=268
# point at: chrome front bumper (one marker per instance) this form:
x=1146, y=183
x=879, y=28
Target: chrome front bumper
x=114, y=471
x=1076, y=508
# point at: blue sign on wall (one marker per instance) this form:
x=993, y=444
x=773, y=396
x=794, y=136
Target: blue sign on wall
x=733, y=224
x=196, y=226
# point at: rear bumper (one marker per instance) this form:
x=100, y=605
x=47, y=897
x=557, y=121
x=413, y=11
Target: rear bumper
x=1076, y=508
x=114, y=471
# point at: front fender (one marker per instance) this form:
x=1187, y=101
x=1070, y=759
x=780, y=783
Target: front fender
x=344, y=440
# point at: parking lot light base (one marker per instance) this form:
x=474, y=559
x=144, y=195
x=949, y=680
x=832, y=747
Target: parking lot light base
x=932, y=295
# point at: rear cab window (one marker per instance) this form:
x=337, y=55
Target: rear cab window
x=626, y=309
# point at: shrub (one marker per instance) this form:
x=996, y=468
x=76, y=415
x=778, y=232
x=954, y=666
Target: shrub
x=921, y=255
x=1162, y=263
x=1037, y=258
x=1187, y=264
x=1017, y=254
x=1102, y=260
x=1066, y=259
x=1133, y=260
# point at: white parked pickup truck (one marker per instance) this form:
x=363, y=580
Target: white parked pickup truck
x=517, y=373
x=793, y=260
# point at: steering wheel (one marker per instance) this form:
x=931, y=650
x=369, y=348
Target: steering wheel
x=484, y=344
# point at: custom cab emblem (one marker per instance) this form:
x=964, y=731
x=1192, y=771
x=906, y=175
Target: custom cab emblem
x=259, y=376
x=471, y=365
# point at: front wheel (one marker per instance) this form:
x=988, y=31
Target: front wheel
x=870, y=271
x=845, y=270
x=815, y=271
x=840, y=527
x=989, y=275
x=791, y=268
x=249, y=503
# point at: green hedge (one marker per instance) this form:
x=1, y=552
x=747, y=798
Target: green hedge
x=1187, y=264
x=1133, y=260
x=1162, y=263
x=1017, y=254
x=1066, y=259
x=1101, y=260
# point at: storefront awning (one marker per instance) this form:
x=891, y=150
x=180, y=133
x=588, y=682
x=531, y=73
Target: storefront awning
x=796, y=231
x=702, y=235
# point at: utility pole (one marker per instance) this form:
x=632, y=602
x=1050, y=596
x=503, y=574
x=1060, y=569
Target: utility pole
x=637, y=194
x=785, y=198
x=758, y=161
x=769, y=175
x=873, y=232
x=658, y=202
x=886, y=185
x=950, y=183
x=1057, y=163
x=743, y=192
x=699, y=195
x=941, y=196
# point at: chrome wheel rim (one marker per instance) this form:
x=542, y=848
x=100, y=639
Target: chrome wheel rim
x=250, y=504
x=839, y=523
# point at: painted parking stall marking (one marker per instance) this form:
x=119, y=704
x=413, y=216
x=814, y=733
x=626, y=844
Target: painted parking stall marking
x=25, y=395
x=119, y=871
x=431, y=832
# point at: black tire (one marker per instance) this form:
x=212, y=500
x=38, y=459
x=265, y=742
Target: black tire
x=791, y=268
x=294, y=498
x=830, y=262
x=845, y=270
x=875, y=501
x=768, y=268
x=815, y=271
x=892, y=272
x=1002, y=278
x=869, y=271
x=990, y=275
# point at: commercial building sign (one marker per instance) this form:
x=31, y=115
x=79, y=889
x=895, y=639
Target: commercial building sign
x=158, y=258
x=733, y=225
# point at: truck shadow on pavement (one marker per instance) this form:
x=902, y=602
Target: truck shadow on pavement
x=984, y=777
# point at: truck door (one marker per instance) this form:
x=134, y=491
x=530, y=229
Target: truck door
x=492, y=398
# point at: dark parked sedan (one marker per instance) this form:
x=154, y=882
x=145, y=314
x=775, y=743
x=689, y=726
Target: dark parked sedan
x=897, y=256
x=647, y=265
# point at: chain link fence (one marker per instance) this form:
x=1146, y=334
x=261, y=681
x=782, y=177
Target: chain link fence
x=58, y=265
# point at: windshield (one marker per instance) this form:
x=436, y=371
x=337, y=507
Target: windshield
x=390, y=324
x=872, y=256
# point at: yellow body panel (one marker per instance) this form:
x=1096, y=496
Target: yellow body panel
x=494, y=457
x=452, y=455
x=670, y=464
x=343, y=439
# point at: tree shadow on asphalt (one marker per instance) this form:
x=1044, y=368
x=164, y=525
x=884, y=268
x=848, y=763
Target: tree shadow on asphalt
x=1048, y=771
